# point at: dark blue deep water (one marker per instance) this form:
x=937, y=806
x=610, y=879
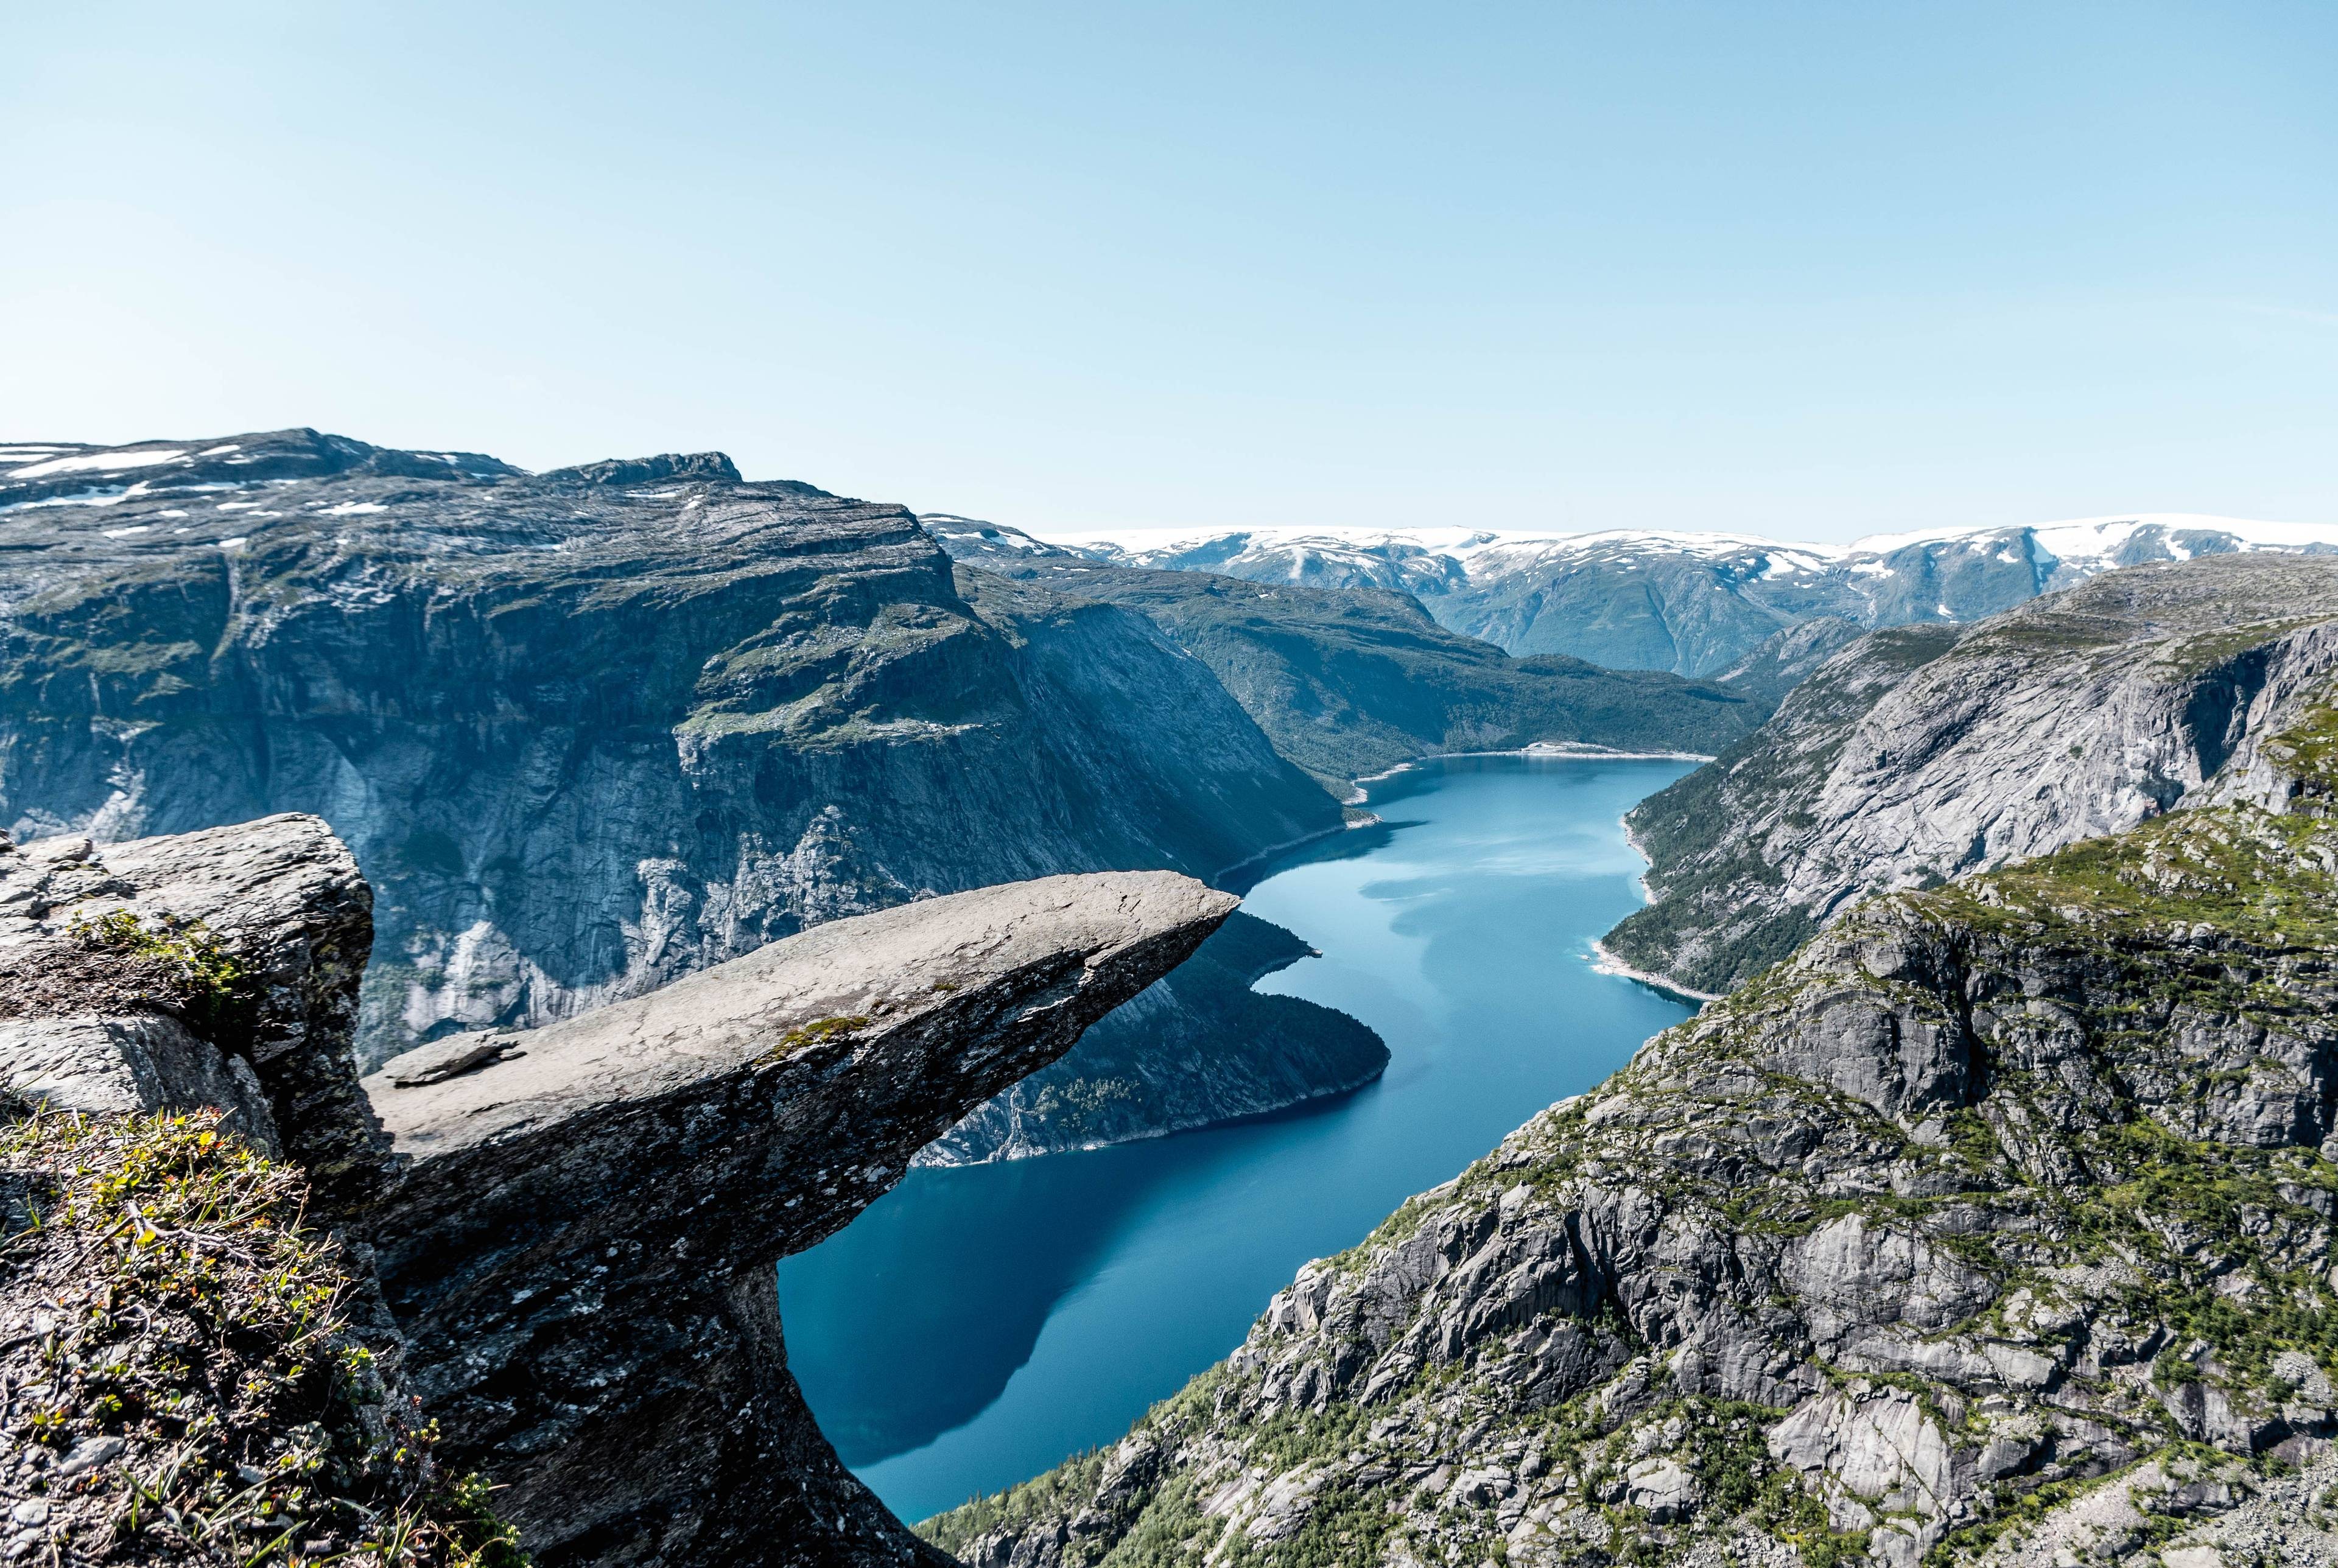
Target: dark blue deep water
x=976, y=1325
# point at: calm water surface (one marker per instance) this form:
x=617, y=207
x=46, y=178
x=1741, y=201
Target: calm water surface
x=976, y=1325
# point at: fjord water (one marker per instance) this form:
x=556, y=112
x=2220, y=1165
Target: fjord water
x=976, y=1325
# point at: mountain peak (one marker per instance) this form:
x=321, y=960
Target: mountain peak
x=716, y=466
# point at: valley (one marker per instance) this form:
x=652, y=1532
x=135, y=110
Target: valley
x=1988, y=1209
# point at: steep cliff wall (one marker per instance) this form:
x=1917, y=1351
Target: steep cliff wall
x=580, y=1249
x=197, y=1370
x=1998, y=1224
x=591, y=730
x=1924, y=753
x=1356, y=681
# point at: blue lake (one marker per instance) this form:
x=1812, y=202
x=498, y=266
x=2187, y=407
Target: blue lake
x=975, y=1327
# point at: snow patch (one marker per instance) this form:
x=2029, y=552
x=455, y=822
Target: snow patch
x=90, y=462
x=98, y=498
x=2094, y=538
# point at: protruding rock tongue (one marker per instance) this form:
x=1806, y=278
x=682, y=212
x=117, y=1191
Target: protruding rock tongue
x=580, y=1246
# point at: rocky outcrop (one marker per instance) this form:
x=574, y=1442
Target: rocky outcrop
x=1899, y=1253
x=572, y=1229
x=1354, y=682
x=217, y=968
x=591, y=730
x=1789, y=658
x=1922, y=754
x=579, y=1247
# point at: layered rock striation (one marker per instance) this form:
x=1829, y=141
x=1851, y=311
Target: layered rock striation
x=216, y=969
x=1924, y=753
x=579, y=1245
x=1995, y=1224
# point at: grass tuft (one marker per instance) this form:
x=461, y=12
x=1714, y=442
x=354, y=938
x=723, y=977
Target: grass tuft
x=191, y=1385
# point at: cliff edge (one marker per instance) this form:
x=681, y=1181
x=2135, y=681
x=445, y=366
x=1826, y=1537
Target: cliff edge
x=543, y=1255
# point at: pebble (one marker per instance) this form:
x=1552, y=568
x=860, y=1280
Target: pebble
x=90, y=1453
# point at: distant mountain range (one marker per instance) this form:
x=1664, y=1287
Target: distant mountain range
x=1693, y=604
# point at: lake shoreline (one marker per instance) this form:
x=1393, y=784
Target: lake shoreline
x=1605, y=963
x=979, y=1324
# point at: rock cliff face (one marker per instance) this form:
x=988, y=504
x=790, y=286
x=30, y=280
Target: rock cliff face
x=1997, y=1223
x=112, y=1020
x=1924, y=753
x=1789, y=658
x=1355, y=680
x=591, y=730
x=572, y=1229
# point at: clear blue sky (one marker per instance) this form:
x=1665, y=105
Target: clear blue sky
x=1812, y=269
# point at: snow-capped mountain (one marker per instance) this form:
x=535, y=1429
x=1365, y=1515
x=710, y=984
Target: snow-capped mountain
x=1691, y=603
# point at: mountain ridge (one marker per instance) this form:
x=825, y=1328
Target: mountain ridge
x=1349, y=682
x=1920, y=753
x=1694, y=602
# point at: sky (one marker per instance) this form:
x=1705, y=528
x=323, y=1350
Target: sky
x=1814, y=271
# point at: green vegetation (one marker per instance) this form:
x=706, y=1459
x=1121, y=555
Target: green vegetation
x=1066, y=1488
x=1089, y=1106
x=819, y=1032
x=2135, y=1015
x=191, y=1331
x=2208, y=649
x=198, y=977
x=2309, y=748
